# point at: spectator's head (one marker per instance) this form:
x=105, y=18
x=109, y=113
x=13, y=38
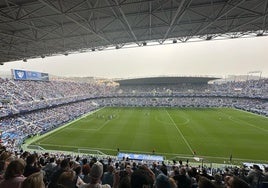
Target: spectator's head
x=96, y=172
x=78, y=170
x=5, y=159
x=162, y=181
x=124, y=182
x=256, y=167
x=235, y=182
x=51, y=159
x=65, y=164
x=34, y=180
x=110, y=168
x=205, y=183
x=218, y=178
x=31, y=159
x=86, y=169
x=67, y=179
x=140, y=178
x=15, y=168
x=84, y=161
x=163, y=169
x=182, y=171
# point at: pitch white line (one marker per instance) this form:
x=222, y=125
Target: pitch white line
x=136, y=151
x=237, y=120
x=175, y=125
x=249, y=124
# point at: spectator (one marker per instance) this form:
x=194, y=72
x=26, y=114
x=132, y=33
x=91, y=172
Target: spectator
x=204, y=182
x=235, y=182
x=255, y=176
x=217, y=182
x=96, y=172
x=68, y=179
x=13, y=177
x=34, y=180
x=85, y=173
x=142, y=177
x=108, y=176
x=31, y=165
x=64, y=166
x=182, y=179
x=49, y=168
x=162, y=181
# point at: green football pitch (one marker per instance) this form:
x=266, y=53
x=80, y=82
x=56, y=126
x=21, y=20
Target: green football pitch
x=215, y=134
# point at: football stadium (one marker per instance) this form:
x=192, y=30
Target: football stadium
x=155, y=131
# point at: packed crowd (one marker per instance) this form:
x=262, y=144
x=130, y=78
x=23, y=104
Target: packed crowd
x=56, y=170
x=24, y=96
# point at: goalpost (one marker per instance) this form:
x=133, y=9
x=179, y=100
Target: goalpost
x=35, y=147
x=90, y=151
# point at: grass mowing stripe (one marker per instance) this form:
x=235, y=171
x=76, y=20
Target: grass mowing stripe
x=186, y=142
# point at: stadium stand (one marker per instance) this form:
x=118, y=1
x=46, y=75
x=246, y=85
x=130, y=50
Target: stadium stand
x=28, y=108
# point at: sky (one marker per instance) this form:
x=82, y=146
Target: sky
x=208, y=58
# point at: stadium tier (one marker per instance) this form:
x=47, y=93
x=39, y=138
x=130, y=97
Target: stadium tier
x=53, y=115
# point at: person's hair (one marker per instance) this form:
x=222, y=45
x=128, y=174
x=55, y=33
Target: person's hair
x=86, y=169
x=235, y=182
x=67, y=178
x=33, y=181
x=172, y=183
x=31, y=159
x=64, y=163
x=140, y=178
x=124, y=182
x=52, y=159
x=14, y=169
x=203, y=182
x=78, y=169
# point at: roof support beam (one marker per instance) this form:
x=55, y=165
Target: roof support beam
x=180, y=11
x=73, y=20
x=126, y=21
x=218, y=17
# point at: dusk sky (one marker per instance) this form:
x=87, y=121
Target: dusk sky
x=213, y=58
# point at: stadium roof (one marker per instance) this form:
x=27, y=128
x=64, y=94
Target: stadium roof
x=40, y=28
x=165, y=81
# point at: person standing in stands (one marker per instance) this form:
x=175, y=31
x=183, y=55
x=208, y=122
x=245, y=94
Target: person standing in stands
x=31, y=165
x=13, y=177
x=64, y=166
x=34, y=180
x=96, y=172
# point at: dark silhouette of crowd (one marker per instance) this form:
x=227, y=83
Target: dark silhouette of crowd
x=53, y=170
